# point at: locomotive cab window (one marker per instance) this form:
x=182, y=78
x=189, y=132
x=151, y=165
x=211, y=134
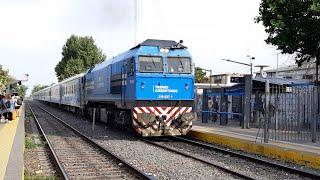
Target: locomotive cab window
x=179, y=65
x=150, y=64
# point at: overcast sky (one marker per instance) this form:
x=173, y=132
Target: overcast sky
x=32, y=32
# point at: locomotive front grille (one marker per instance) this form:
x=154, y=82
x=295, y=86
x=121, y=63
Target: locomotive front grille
x=159, y=121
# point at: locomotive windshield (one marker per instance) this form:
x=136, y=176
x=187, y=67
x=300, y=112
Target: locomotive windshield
x=179, y=65
x=150, y=64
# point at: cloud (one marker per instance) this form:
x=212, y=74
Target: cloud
x=29, y=24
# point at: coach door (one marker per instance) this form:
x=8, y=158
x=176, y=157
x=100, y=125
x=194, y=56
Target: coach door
x=82, y=90
x=123, y=83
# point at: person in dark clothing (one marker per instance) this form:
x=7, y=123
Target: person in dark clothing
x=2, y=108
x=215, y=109
x=210, y=108
x=9, y=104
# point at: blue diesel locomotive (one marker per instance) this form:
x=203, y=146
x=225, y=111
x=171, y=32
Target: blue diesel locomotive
x=149, y=87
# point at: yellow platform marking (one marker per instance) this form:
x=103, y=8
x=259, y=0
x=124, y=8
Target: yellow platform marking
x=268, y=150
x=7, y=133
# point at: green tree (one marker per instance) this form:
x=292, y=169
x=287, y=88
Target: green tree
x=38, y=87
x=201, y=76
x=4, y=78
x=21, y=90
x=78, y=55
x=293, y=26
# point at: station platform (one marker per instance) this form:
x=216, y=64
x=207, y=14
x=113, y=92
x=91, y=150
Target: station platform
x=307, y=154
x=12, y=148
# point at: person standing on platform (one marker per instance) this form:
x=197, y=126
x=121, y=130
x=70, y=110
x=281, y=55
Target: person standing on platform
x=210, y=108
x=2, y=108
x=9, y=107
x=17, y=103
x=258, y=112
x=215, y=109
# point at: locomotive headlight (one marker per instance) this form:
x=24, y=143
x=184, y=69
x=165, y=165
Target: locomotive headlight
x=164, y=50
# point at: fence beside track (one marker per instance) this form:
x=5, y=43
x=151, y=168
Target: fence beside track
x=281, y=111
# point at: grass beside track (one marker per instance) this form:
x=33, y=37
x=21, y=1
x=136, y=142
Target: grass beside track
x=34, y=176
x=31, y=142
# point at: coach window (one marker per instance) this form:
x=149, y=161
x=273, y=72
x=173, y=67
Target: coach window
x=150, y=64
x=179, y=65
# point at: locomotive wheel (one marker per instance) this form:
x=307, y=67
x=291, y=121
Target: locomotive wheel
x=110, y=118
x=125, y=119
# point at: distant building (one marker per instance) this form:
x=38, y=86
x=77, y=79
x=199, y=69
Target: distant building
x=306, y=72
x=224, y=79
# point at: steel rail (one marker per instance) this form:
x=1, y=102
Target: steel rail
x=228, y=170
x=57, y=162
x=134, y=170
x=252, y=158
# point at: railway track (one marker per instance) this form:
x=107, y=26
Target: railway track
x=215, y=165
x=251, y=158
x=77, y=156
x=165, y=144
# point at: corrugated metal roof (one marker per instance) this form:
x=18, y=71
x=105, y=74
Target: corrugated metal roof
x=282, y=81
x=292, y=67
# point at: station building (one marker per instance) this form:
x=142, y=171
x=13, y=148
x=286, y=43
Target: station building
x=306, y=71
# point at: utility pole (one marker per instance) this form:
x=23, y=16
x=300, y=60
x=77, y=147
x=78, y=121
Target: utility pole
x=251, y=58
